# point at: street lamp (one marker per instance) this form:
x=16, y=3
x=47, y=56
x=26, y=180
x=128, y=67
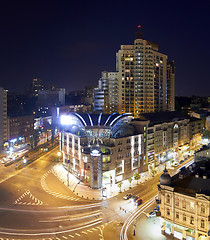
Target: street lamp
x=24, y=161
x=59, y=155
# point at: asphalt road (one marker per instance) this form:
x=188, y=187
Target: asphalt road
x=34, y=204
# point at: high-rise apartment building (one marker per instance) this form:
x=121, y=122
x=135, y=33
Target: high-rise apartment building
x=37, y=85
x=170, y=86
x=144, y=79
x=106, y=94
x=3, y=117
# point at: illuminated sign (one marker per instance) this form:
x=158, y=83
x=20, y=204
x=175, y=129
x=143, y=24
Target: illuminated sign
x=95, y=153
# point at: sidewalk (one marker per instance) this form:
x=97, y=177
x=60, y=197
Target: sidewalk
x=79, y=188
x=84, y=191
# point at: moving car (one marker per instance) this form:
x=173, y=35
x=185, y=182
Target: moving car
x=127, y=196
x=138, y=202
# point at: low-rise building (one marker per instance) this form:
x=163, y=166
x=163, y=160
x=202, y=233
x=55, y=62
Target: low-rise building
x=184, y=202
x=165, y=135
x=20, y=127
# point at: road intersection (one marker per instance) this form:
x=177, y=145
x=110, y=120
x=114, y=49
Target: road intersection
x=35, y=204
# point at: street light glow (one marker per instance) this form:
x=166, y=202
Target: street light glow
x=66, y=120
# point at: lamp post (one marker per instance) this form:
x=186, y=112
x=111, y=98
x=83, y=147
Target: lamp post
x=68, y=172
x=59, y=154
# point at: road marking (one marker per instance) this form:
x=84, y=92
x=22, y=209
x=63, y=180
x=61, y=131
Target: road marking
x=57, y=238
x=84, y=232
x=65, y=237
x=55, y=194
x=89, y=231
x=94, y=229
x=77, y=234
x=30, y=195
x=71, y=236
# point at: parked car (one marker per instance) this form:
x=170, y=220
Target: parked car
x=127, y=196
x=138, y=202
x=151, y=214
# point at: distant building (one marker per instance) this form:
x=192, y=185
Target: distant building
x=199, y=114
x=47, y=99
x=105, y=95
x=170, y=86
x=37, y=86
x=20, y=127
x=89, y=96
x=184, y=202
x=3, y=117
x=51, y=97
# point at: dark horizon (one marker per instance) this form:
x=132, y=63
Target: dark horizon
x=69, y=44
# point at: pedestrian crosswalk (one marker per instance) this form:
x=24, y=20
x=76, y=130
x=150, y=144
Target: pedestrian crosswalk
x=55, y=194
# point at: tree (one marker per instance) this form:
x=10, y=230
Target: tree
x=119, y=186
x=137, y=177
x=31, y=141
x=130, y=179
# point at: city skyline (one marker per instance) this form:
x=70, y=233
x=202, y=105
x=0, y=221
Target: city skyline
x=72, y=43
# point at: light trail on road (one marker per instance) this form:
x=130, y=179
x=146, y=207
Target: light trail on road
x=89, y=224
x=132, y=217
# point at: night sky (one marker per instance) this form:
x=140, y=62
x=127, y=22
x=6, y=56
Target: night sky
x=69, y=43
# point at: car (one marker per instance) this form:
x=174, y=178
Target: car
x=138, y=202
x=151, y=214
x=127, y=196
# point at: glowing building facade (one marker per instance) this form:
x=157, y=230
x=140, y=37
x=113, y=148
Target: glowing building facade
x=101, y=149
x=144, y=80
x=184, y=202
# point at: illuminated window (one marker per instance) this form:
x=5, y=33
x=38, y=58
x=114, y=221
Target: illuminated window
x=192, y=205
x=202, y=223
x=177, y=202
x=184, y=203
